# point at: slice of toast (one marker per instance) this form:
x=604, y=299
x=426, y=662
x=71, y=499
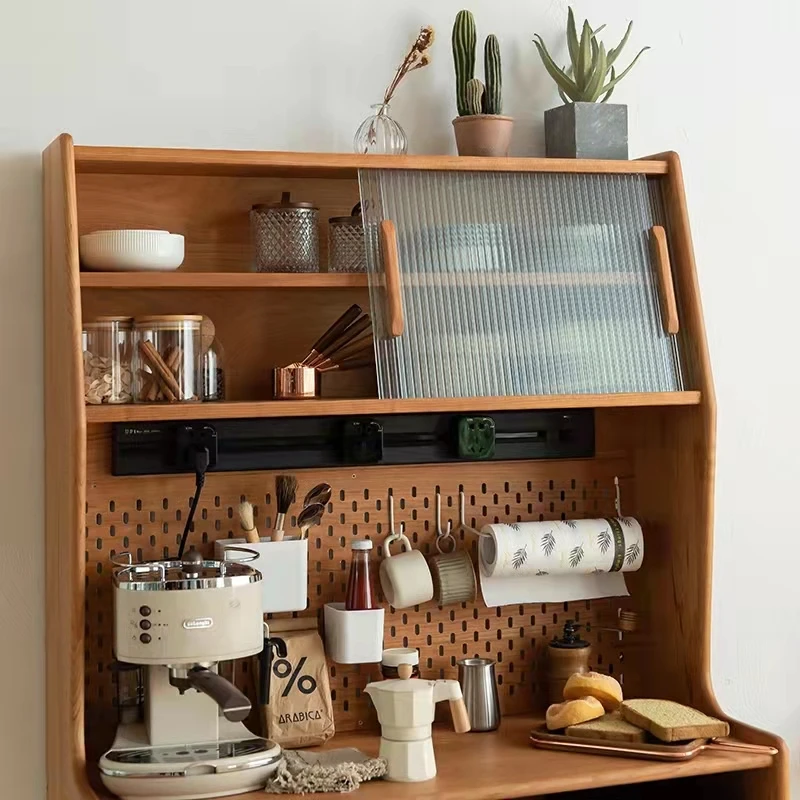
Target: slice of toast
x=672, y=722
x=611, y=727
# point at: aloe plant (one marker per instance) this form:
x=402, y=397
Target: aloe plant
x=592, y=73
x=464, y=44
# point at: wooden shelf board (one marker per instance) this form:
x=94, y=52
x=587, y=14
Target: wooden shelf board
x=175, y=161
x=222, y=280
x=325, y=280
x=491, y=766
x=336, y=407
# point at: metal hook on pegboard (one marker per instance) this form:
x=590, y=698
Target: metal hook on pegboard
x=441, y=537
x=393, y=535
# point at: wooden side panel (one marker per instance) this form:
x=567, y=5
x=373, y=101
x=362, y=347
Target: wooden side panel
x=674, y=464
x=65, y=484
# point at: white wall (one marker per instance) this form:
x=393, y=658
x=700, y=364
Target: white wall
x=719, y=86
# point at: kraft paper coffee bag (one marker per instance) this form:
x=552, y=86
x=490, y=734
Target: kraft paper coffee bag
x=299, y=710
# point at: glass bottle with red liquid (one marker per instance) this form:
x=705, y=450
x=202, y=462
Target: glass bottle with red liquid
x=360, y=589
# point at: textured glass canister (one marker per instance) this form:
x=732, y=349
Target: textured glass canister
x=285, y=236
x=346, y=249
x=380, y=133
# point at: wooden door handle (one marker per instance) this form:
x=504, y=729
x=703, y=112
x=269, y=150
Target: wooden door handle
x=666, y=289
x=391, y=267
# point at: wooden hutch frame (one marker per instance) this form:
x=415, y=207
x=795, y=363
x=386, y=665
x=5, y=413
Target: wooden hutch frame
x=668, y=438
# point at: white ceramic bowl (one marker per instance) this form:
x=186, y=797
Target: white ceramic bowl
x=130, y=251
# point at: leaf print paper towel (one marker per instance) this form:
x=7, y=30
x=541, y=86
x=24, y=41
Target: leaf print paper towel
x=558, y=561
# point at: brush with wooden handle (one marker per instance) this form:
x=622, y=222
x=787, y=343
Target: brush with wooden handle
x=365, y=344
x=333, y=333
x=247, y=521
x=285, y=494
x=341, y=342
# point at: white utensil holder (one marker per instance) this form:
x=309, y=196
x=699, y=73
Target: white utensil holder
x=283, y=567
x=353, y=637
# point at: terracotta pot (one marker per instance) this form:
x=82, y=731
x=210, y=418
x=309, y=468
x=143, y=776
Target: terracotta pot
x=483, y=134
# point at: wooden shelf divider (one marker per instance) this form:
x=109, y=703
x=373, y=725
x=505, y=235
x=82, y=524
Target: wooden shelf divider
x=222, y=280
x=327, y=407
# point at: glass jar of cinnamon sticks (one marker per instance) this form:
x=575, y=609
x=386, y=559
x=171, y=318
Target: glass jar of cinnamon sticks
x=168, y=359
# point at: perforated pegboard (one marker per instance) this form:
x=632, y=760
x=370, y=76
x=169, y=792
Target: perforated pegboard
x=146, y=516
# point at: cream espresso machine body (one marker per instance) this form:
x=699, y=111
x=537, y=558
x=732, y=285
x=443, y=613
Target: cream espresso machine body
x=180, y=619
x=406, y=709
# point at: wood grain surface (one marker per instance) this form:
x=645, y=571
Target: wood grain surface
x=174, y=161
x=65, y=480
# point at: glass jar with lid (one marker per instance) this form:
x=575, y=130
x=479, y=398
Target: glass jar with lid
x=214, y=372
x=168, y=361
x=107, y=354
x=285, y=236
x=346, y=248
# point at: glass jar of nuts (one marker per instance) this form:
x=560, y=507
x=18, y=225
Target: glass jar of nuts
x=168, y=362
x=107, y=356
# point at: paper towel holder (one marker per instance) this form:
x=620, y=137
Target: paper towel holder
x=462, y=516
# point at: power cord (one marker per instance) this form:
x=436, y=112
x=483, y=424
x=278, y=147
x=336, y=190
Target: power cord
x=202, y=459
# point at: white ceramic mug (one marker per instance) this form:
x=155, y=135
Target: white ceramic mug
x=405, y=578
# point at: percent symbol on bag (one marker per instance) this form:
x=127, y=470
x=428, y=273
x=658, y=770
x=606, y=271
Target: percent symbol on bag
x=307, y=684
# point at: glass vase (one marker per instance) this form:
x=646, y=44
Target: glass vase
x=380, y=133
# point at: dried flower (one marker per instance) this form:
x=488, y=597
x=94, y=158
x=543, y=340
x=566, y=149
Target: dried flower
x=416, y=58
x=423, y=62
x=425, y=39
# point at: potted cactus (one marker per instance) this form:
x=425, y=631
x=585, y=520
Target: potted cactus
x=480, y=127
x=584, y=127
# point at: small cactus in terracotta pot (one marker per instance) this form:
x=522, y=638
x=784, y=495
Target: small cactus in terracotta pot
x=480, y=128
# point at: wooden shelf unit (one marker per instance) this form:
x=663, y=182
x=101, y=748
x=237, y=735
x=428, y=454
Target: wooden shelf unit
x=661, y=446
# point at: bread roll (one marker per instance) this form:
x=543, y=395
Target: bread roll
x=562, y=715
x=594, y=684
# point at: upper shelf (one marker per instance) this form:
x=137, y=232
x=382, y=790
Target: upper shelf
x=332, y=280
x=329, y=407
x=222, y=280
x=174, y=161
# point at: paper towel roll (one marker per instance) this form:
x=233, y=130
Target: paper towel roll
x=562, y=547
x=559, y=561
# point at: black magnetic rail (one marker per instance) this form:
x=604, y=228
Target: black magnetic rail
x=314, y=442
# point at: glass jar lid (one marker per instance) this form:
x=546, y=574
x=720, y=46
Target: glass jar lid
x=354, y=220
x=107, y=322
x=284, y=203
x=174, y=321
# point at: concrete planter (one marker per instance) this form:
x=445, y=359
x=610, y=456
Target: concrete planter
x=483, y=134
x=587, y=130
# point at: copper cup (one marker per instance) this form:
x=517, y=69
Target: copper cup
x=295, y=382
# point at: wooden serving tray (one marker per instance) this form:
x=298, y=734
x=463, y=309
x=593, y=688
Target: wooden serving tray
x=654, y=751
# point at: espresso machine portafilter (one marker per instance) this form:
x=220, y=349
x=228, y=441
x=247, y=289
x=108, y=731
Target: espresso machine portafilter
x=180, y=618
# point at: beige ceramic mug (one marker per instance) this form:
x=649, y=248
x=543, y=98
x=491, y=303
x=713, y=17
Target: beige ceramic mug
x=405, y=578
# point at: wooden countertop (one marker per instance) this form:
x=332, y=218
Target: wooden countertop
x=492, y=766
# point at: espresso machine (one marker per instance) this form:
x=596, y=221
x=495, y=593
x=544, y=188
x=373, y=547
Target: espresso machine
x=180, y=618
